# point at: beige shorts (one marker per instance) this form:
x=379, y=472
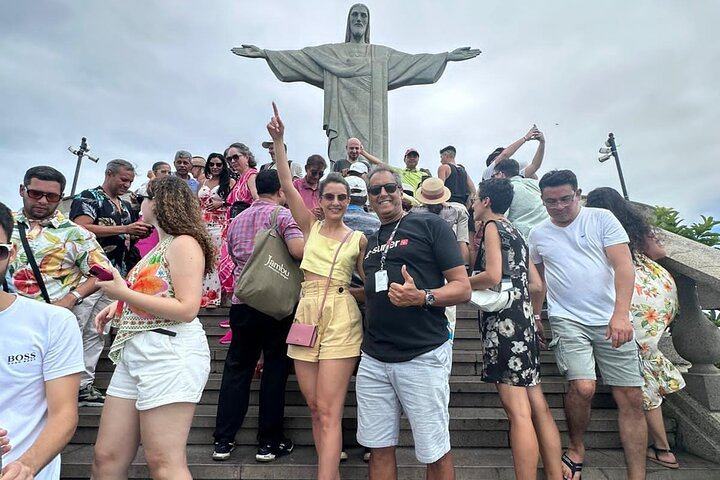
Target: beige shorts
x=339, y=328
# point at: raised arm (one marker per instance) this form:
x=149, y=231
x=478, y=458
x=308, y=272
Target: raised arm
x=537, y=160
x=300, y=212
x=371, y=158
x=515, y=146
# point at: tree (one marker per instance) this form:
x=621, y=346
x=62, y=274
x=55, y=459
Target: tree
x=669, y=219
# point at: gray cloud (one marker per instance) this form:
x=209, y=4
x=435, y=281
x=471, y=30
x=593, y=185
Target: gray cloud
x=142, y=79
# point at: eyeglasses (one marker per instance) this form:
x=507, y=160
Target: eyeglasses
x=234, y=158
x=147, y=196
x=376, y=189
x=213, y=164
x=38, y=194
x=562, y=202
x=5, y=250
x=341, y=197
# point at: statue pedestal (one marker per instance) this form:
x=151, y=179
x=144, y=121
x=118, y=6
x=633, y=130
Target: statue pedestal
x=704, y=386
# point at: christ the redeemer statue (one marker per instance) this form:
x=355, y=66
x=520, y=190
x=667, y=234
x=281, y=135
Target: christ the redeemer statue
x=356, y=77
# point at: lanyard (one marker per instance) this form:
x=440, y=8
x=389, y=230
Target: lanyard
x=388, y=243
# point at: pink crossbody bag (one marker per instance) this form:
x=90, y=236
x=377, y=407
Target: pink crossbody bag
x=303, y=335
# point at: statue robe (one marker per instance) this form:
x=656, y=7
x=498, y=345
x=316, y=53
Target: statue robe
x=356, y=79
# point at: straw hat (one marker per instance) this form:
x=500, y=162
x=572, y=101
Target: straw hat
x=432, y=192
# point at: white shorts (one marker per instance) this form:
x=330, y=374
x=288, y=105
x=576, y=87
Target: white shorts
x=158, y=369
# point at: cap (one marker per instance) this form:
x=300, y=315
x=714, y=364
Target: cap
x=267, y=144
x=432, y=192
x=358, y=187
x=358, y=167
x=198, y=162
x=411, y=150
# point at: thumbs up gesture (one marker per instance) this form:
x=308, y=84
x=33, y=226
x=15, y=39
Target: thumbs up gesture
x=407, y=294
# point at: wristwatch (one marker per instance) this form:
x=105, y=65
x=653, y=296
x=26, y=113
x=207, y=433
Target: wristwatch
x=78, y=298
x=429, y=298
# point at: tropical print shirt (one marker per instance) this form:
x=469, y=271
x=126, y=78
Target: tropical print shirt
x=64, y=252
x=95, y=203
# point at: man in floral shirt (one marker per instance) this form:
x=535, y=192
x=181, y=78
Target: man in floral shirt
x=110, y=218
x=64, y=253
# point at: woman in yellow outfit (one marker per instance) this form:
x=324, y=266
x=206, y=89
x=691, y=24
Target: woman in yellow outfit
x=323, y=370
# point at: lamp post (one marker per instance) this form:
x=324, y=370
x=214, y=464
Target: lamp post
x=610, y=150
x=80, y=153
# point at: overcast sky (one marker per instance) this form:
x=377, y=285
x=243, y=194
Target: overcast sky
x=142, y=79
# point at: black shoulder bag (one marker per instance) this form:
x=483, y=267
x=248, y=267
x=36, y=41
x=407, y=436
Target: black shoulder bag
x=31, y=261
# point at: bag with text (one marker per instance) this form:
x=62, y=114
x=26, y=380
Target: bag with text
x=270, y=281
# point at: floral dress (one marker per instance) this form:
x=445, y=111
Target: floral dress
x=654, y=305
x=511, y=353
x=216, y=221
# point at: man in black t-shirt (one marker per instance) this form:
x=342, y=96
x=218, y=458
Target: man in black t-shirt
x=406, y=355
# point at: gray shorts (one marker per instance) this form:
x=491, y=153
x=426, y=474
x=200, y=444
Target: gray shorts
x=419, y=388
x=578, y=348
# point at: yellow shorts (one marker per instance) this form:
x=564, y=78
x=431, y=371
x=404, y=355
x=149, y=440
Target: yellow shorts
x=339, y=328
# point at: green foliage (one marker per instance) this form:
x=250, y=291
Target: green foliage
x=669, y=219
x=713, y=316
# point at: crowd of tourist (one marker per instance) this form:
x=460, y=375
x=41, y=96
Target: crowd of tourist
x=385, y=254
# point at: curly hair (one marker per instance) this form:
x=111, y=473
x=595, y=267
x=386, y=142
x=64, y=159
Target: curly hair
x=178, y=213
x=635, y=224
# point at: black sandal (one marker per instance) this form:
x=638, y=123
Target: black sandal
x=672, y=465
x=574, y=467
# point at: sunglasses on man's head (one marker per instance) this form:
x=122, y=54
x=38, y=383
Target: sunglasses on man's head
x=5, y=250
x=376, y=189
x=38, y=194
x=341, y=197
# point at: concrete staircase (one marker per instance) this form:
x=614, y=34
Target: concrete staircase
x=479, y=428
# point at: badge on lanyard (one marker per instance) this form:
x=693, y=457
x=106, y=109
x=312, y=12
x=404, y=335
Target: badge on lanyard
x=381, y=280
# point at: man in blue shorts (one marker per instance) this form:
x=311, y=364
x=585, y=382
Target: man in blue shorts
x=406, y=355
x=584, y=257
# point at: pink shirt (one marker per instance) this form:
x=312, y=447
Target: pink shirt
x=309, y=194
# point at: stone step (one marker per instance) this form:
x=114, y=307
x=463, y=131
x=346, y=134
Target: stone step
x=469, y=426
x=470, y=464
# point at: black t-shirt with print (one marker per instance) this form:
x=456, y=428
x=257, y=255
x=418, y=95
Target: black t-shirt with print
x=427, y=246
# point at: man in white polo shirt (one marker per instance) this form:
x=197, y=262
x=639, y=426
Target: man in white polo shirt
x=584, y=257
x=41, y=357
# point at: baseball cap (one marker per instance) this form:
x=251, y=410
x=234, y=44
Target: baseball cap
x=358, y=167
x=267, y=144
x=358, y=187
x=411, y=150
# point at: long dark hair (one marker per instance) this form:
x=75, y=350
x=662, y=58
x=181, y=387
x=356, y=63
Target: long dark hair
x=224, y=179
x=635, y=224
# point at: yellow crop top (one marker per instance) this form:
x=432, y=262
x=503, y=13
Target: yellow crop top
x=320, y=250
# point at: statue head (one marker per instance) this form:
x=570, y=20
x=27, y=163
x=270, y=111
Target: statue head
x=358, y=23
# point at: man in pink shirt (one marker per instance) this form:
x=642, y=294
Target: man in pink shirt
x=308, y=185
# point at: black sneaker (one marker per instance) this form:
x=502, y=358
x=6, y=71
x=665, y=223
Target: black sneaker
x=222, y=450
x=89, y=396
x=268, y=453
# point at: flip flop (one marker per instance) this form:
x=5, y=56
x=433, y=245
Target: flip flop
x=672, y=465
x=574, y=467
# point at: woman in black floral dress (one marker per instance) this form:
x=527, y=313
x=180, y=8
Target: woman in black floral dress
x=511, y=354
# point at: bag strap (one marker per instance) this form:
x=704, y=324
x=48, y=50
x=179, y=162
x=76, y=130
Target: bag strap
x=332, y=267
x=31, y=261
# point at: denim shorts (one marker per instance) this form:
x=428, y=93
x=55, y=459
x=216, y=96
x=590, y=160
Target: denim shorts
x=419, y=388
x=158, y=369
x=578, y=348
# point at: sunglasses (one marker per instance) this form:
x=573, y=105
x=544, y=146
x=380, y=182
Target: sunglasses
x=5, y=250
x=38, y=194
x=341, y=197
x=213, y=164
x=147, y=196
x=234, y=158
x=376, y=189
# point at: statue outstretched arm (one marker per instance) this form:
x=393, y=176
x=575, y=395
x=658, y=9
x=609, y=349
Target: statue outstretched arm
x=250, y=51
x=463, y=53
